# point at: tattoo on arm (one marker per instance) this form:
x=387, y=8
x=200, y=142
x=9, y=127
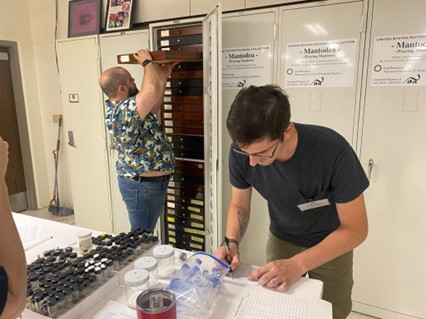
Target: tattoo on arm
x=243, y=221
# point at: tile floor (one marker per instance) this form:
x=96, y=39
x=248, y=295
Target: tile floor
x=44, y=213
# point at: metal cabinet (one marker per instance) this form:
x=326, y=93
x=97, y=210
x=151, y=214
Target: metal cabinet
x=390, y=267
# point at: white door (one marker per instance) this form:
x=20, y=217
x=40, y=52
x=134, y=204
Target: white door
x=112, y=45
x=79, y=67
x=390, y=267
x=319, y=64
x=246, y=33
x=212, y=45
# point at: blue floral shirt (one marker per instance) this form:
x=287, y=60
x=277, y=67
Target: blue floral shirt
x=141, y=144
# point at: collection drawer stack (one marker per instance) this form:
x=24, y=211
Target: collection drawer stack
x=183, y=120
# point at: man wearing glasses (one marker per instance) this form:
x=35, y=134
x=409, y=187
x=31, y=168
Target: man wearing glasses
x=313, y=183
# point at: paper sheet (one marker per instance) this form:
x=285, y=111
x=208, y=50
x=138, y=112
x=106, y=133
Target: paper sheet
x=115, y=310
x=261, y=303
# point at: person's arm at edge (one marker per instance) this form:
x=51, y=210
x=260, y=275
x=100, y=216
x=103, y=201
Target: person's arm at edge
x=237, y=223
x=12, y=256
x=351, y=233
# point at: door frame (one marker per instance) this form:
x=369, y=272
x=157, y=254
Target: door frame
x=12, y=49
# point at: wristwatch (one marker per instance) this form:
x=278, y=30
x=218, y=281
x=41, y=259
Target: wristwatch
x=144, y=63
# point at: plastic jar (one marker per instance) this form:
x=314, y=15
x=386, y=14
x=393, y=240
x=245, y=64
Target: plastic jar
x=150, y=264
x=165, y=255
x=84, y=240
x=136, y=280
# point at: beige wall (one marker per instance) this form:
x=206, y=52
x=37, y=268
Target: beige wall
x=31, y=24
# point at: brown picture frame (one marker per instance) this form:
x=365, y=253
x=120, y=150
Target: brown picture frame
x=119, y=15
x=84, y=17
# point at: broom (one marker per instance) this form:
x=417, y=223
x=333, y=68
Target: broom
x=54, y=205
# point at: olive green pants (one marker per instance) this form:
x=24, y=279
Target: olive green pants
x=336, y=274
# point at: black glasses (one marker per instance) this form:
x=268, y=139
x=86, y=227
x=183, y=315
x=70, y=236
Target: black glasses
x=236, y=150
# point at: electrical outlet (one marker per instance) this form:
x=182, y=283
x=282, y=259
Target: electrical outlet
x=73, y=98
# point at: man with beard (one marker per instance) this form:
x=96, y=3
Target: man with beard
x=145, y=156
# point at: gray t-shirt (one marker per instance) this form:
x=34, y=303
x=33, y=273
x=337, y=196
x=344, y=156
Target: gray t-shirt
x=324, y=166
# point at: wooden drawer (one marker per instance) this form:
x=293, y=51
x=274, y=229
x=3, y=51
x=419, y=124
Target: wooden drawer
x=180, y=41
x=197, y=91
x=171, y=116
x=183, y=99
x=180, y=31
x=184, y=83
x=191, y=194
x=195, y=108
x=184, y=130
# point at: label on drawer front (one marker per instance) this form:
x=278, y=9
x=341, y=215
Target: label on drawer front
x=168, y=107
x=172, y=240
x=197, y=225
x=168, y=130
x=195, y=246
x=168, y=123
x=172, y=233
x=165, y=33
x=194, y=209
x=167, y=99
x=197, y=202
x=198, y=217
x=167, y=115
x=164, y=43
x=171, y=219
x=198, y=239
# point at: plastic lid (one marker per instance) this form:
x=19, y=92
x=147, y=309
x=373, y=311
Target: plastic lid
x=163, y=251
x=148, y=263
x=136, y=277
x=84, y=234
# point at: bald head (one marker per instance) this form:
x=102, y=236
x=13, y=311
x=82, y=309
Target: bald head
x=112, y=78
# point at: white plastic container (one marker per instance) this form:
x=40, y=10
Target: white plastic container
x=165, y=255
x=84, y=240
x=137, y=281
x=150, y=264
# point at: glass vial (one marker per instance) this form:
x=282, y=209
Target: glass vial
x=166, y=262
x=149, y=264
x=136, y=281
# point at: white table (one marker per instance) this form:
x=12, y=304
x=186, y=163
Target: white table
x=110, y=297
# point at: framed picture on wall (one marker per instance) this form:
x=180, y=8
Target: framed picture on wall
x=119, y=15
x=84, y=17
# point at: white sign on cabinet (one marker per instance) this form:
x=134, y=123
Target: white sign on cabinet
x=242, y=67
x=399, y=60
x=321, y=63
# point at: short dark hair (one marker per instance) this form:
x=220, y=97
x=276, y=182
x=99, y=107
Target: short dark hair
x=115, y=77
x=258, y=112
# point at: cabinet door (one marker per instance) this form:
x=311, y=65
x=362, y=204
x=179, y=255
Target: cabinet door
x=249, y=32
x=319, y=65
x=79, y=68
x=390, y=267
x=112, y=45
x=204, y=6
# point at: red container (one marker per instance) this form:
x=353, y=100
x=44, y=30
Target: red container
x=156, y=303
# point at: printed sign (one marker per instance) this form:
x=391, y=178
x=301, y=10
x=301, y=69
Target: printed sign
x=399, y=60
x=242, y=67
x=320, y=64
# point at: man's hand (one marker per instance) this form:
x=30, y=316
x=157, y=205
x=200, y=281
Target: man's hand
x=232, y=259
x=164, y=70
x=279, y=274
x=142, y=55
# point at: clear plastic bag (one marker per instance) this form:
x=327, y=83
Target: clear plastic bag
x=196, y=284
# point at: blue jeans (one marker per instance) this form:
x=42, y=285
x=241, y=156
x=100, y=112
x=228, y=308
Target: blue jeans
x=144, y=201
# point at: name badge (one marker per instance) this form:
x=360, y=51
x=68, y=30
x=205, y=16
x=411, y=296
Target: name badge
x=314, y=204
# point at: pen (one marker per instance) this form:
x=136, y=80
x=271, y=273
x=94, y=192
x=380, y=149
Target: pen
x=228, y=251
